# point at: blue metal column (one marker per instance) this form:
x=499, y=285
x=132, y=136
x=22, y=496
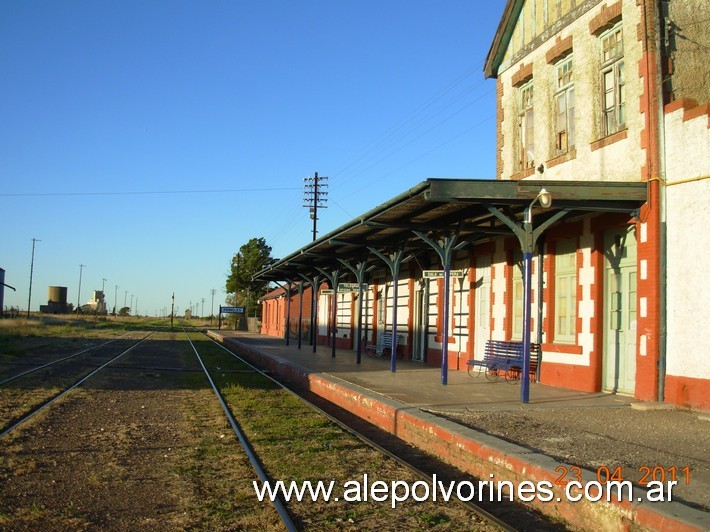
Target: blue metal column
x=288, y=314
x=395, y=291
x=359, y=272
x=527, y=304
x=445, y=336
x=288, y=307
x=334, y=328
x=445, y=249
x=333, y=278
x=393, y=262
x=358, y=349
x=527, y=236
x=314, y=323
x=314, y=282
x=300, y=313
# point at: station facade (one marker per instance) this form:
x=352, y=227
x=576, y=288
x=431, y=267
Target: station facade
x=596, y=100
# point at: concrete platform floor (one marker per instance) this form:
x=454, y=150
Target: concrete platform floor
x=420, y=385
x=597, y=428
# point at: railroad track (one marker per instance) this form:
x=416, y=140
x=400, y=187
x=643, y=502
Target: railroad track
x=253, y=459
x=57, y=361
x=33, y=411
x=172, y=368
x=480, y=512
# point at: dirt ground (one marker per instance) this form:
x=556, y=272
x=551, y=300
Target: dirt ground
x=641, y=443
x=128, y=452
x=144, y=445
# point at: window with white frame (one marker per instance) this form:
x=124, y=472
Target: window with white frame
x=564, y=106
x=613, y=81
x=565, y=290
x=526, y=133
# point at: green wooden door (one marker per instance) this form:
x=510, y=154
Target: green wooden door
x=619, y=362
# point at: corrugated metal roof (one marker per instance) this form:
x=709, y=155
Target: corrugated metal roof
x=441, y=207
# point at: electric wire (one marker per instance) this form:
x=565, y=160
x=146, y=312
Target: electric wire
x=143, y=193
x=418, y=125
x=392, y=131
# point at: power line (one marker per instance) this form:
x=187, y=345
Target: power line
x=411, y=141
x=365, y=185
x=144, y=193
x=392, y=131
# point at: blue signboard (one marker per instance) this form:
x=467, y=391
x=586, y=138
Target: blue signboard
x=231, y=310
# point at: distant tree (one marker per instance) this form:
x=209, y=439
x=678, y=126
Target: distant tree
x=125, y=311
x=251, y=258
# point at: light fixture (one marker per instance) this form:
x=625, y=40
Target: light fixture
x=545, y=200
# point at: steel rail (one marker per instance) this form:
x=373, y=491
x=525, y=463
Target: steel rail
x=481, y=512
x=256, y=464
x=73, y=386
x=56, y=361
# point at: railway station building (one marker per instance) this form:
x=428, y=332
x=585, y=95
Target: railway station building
x=592, y=240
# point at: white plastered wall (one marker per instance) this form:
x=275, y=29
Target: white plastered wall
x=687, y=156
x=618, y=161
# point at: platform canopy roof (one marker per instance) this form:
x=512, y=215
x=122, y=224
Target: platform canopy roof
x=445, y=207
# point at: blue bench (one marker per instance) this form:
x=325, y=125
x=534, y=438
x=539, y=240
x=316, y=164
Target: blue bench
x=384, y=344
x=504, y=357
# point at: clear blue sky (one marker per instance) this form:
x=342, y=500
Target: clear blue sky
x=110, y=111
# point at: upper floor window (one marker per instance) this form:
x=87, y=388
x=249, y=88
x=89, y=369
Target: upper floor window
x=613, y=91
x=564, y=106
x=526, y=130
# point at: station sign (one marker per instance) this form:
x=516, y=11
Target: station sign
x=435, y=274
x=326, y=292
x=350, y=287
x=231, y=310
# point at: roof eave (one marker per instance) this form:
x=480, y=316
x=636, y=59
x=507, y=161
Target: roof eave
x=333, y=235
x=502, y=38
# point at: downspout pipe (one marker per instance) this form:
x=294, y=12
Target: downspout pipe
x=660, y=17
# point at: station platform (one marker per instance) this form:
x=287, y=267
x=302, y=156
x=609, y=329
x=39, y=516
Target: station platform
x=412, y=404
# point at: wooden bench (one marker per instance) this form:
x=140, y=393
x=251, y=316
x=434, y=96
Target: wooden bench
x=384, y=343
x=507, y=357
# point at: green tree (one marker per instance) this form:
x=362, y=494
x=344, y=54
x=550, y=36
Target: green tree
x=251, y=258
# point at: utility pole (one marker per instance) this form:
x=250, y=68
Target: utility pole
x=212, y=310
x=32, y=266
x=78, y=297
x=314, y=197
x=115, y=300
x=172, y=312
x=103, y=293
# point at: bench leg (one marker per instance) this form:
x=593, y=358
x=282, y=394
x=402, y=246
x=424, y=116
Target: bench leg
x=512, y=375
x=492, y=373
x=475, y=371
